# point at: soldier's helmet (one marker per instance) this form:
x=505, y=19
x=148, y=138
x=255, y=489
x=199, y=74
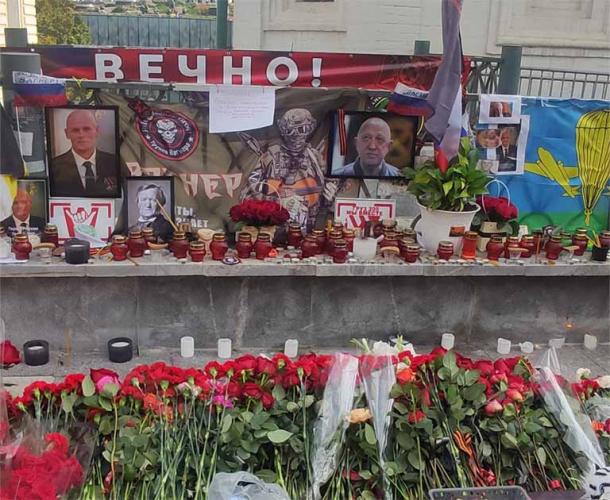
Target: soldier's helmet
x=296, y=125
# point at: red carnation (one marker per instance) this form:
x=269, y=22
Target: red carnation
x=267, y=400
x=265, y=366
x=252, y=390
x=416, y=416
x=493, y=407
x=9, y=354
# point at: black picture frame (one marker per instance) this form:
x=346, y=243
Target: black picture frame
x=42, y=205
x=355, y=120
x=129, y=194
x=64, y=180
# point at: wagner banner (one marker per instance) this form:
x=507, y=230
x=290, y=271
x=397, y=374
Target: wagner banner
x=284, y=162
x=240, y=67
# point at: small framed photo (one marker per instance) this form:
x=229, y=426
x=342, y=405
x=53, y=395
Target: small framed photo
x=500, y=108
x=149, y=200
x=29, y=208
x=83, y=151
x=372, y=145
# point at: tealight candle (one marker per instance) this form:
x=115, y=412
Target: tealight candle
x=291, y=348
x=526, y=347
x=187, y=347
x=36, y=352
x=224, y=348
x=120, y=349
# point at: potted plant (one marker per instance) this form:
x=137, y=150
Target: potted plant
x=254, y=216
x=497, y=216
x=446, y=193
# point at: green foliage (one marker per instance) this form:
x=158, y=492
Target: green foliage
x=454, y=190
x=58, y=24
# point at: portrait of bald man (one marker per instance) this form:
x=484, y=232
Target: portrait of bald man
x=372, y=143
x=84, y=170
x=21, y=216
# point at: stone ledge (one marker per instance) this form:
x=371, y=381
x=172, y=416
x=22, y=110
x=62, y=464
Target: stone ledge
x=257, y=268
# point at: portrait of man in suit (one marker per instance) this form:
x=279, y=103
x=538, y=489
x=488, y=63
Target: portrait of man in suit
x=84, y=170
x=21, y=217
x=144, y=209
x=506, y=152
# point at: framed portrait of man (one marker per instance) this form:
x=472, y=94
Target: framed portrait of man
x=29, y=208
x=372, y=145
x=83, y=151
x=149, y=200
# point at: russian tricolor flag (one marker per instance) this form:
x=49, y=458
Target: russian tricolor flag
x=409, y=101
x=38, y=90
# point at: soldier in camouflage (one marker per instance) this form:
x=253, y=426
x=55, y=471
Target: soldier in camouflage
x=293, y=171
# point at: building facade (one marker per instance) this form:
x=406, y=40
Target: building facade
x=555, y=34
x=18, y=14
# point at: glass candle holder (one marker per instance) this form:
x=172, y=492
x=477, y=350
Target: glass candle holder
x=445, y=250
x=295, y=235
x=263, y=246
x=219, y=246
x=320, y=237
x=21, y=246
x=136, y=243
x=179, y=245
x=469, y=245
x=494, y=247
x=50, y=235
x=119, y=248
x=244, y=245
x=309, y=247
x=197, y=251
x=340, y=252
x=528, y=244
x=554, y=248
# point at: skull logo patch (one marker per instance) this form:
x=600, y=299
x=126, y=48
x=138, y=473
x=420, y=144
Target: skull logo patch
x=169, y=135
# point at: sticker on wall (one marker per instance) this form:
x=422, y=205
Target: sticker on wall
x=355, y=212
x=87, y=219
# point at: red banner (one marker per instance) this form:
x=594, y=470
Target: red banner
x=246, y=67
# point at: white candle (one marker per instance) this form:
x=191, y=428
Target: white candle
x=527, y=347
x=291, y=348
x=35, y=348
x=590, y=342
x=121, y=343
x=224, y=348
x=447, y=341
x=504, y=346
x=187, y=347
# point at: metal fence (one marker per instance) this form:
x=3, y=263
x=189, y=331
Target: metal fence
x=560, y=83
x=484, y=75
x=152, y=31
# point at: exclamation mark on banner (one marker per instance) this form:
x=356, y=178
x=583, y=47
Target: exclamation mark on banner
x=316, y=71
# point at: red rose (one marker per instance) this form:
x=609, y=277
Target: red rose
x=493, y=407
x=498, y=377
x=555, y=484
x=252, y=390
x=607, y=426
x=514, y=395
x=405, y=376
x=72, y=383
x=282, y=361
x=484, y=366
x=416, y=416
x=9, y=354
x=267, y=400
x=290, y=379
x=103, y=376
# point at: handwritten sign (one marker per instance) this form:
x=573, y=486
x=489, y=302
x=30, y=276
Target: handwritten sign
x=236, y=108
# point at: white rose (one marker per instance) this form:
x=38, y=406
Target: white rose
x=582, y=373
x=604, y=382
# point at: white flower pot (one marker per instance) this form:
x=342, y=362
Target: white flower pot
x=435, y=226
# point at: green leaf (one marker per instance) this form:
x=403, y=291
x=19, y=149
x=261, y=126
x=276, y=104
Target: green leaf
x=88, y=386
x=509, y=441
x=67, y=402
x=227, y=420
x=541, y=454
x=278, y=392
x=279, y=436
x=106, y=426
x=474, y=392
x=413, y=459
x=110, y=390
x=447, y=186
x=291, y=406
x=471, y=377
x=365, y=474
x=368, y=495
x=405, y=441
x=369, y=434
x=105, y=404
